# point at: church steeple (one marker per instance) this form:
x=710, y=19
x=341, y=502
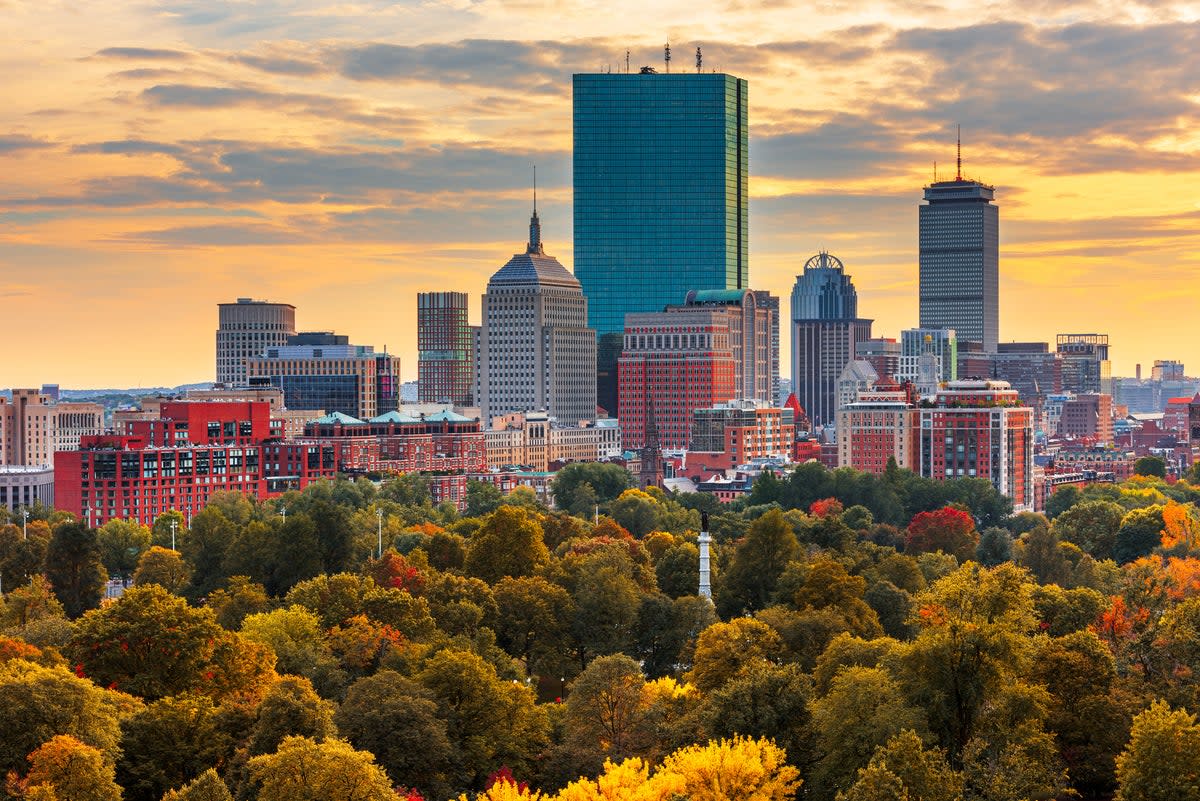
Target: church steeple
x=535, y=225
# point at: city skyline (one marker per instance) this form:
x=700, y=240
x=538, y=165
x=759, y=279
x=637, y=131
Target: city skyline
x=161, y=163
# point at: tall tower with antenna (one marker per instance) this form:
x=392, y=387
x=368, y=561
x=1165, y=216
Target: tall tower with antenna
x=667, y=56
x=959, y=245
x=661, y=196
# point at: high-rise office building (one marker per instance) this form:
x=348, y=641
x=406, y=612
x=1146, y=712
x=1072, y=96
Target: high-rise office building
x=247, y=328
x=321, y=370
x=534, y=350
x=1086, y=368
x=959, y=245
x=660, y=179
x=1031, y=368
x=826, y=331
x=445, y=362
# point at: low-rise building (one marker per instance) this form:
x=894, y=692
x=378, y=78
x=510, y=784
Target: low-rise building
x=23, y=486
x=725, y=435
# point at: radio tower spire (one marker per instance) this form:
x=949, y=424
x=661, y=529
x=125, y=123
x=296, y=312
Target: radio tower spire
x=958, y=173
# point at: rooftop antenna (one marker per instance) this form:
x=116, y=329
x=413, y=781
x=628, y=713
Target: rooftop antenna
x=699, y=59
x=958, y=174
x=667, y=55
x=935, y=172
x=535, y=189
x=626, y=62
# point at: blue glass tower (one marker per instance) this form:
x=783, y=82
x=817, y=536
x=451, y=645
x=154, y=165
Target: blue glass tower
x=660, y=174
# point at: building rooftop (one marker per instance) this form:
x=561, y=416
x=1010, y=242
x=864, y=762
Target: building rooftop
x=394, y=417
x=534, y=267
x=338, y=417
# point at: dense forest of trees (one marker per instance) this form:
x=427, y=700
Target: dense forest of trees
x=871, y=638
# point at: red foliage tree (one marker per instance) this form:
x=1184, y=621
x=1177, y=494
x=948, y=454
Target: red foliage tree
x=949, y=529
x=826, y=507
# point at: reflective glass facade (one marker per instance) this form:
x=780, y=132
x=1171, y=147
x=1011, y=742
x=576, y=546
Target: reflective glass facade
x=660, y=167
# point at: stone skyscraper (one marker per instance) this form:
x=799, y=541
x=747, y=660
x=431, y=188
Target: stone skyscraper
x=660, y=194
x=535, y=351
x=959, y=245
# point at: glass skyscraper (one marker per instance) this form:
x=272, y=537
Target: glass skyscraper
x=959, y=244
x=660, y=175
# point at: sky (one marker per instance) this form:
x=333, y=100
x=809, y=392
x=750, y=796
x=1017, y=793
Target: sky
x=158, y=158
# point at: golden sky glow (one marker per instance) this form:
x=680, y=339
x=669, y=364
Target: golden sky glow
x=157, y=158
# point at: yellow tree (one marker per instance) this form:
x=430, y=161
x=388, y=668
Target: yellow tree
x=73, y=770
x=328, y=771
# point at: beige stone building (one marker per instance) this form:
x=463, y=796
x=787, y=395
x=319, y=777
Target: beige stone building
x=33, y=427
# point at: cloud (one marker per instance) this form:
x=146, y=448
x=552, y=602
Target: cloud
x=13, y=143
x=129, y=147
x=280, y=64
x=219, y=235
x=142, y=54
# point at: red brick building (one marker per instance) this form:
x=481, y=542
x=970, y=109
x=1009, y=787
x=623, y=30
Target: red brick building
x=444, y=442
x=978, y=429
x=671, y=365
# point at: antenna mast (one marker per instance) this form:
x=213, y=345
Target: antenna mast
x=535, y=189
x=699, y=59
x=626, y=62
x=958, y=175
x=667, y=55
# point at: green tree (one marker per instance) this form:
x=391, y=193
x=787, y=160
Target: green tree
x=122, y=543
x=666, y=631
x=921, y=772
x=1092, y=525
x=678, y=570
x=605, y=606
x=1061, y=500
x=205, y=545
x=168, y=743
x=637, y=512
x=606, y=482
x=758, y=562
x=1162, y=761
x=240, y=598
x=1150, y=466
x=995, y=547
x=160, y=532
x=22, y=556
x=74, y=568
x=39, y=702
x=1043, y=556
x=407, y=489
x=295, y=636
x=72, y=771
x=973, y=640
x=489, y=722
x=1139, y=534
x=207, y=787
x=327, y=771
x=604, y=708
x=767, y=701
x=152, y=644
x=533, y=621
x=396, y=720
x=163, y=567
x=482, y=498
x=862, y=711
x=508, y=544
x=291, y=707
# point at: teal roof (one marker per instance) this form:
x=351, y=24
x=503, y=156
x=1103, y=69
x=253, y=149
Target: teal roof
x=716, y=295
x=448, y=417
x=394, y=417
x=338, y=417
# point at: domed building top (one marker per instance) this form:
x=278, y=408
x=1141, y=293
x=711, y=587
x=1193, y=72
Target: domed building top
x=824, y=261
x=534, y=267
x=824, y=291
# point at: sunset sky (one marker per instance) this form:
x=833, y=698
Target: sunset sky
x=157, y=158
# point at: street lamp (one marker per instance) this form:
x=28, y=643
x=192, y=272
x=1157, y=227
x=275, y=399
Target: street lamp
x=174, y=523
x=24, y=524
x=379, y=515
x=283, y=511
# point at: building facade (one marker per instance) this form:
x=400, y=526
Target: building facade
x=535, y=351
x=753, y=317
x=660, y=196
x=726, y=435
x=673, y=363
x=826, y=331
x=880, y=425
x=33, y=426
x=178, y=461
x=445, y=343
x=22, y=486
x=535, y=441
x=323, y=371
x=1086, y=368
x=959, y=243
x=941, y=343
x=1031, y=368
x=247, y=328
x=978, y=429
x=882, y=353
